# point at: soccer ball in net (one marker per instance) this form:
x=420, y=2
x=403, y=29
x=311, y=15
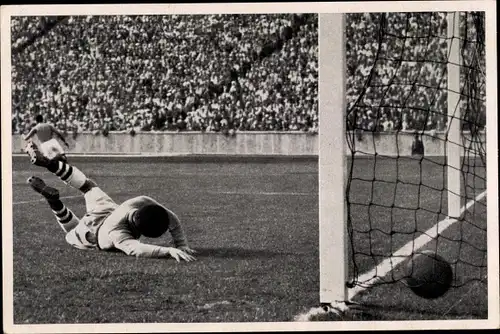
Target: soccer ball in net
x=428, y=275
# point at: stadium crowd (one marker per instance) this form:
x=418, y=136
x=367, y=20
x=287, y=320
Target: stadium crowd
x=402, y=83
x=179, y=72
x=223, y=72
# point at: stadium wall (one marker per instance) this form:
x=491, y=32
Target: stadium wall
x=242, y=143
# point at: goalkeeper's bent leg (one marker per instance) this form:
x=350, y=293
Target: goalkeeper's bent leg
x=70, y=175
x=64, y=216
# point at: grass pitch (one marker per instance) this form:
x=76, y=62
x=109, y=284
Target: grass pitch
x=255, y=225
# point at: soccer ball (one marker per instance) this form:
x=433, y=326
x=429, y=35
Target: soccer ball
x=428, y=275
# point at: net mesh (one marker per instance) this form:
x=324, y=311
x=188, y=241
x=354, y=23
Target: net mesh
x=397, y=134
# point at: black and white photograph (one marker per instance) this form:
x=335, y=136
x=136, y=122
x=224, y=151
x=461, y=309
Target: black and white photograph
x=247, y=167
x=412, y=144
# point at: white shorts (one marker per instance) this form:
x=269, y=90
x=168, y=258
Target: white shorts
x=51, y=148
x=99, y=206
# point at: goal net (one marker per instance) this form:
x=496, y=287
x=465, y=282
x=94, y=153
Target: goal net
x=414, y=150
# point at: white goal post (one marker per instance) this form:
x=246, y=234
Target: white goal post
x=333, y=237
x=453, y=143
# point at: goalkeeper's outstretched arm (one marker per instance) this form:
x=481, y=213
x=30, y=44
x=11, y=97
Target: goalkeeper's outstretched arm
x=136, y=248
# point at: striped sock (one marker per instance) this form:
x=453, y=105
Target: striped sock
x=55, y=205
x=63, y=215
x=68, y=174
x=66, y=218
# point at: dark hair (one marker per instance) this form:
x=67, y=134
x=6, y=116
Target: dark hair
x=39, y=118
x=151, y=220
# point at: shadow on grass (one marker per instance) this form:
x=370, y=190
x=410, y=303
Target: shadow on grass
x=224, y=253
x=380, y=312
x=236, y=253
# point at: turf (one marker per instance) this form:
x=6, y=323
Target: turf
x=255, y=225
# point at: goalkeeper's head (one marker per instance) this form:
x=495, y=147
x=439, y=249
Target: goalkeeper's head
x=151, y=220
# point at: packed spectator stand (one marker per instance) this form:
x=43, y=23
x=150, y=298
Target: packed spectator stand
x=178, y=72
x=397, y=71
x=223, y=73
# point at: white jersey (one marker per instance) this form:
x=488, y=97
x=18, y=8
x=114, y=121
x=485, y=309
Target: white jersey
x=106, y=227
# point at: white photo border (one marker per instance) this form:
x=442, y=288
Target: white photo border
x=248, y=8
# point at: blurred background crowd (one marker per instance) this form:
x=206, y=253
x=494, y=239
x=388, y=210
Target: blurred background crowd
x=397, y=71
x=223, y=73
x=156, y=73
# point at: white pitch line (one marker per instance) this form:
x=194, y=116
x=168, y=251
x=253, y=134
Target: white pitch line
x=261, y=193
x=377, y=273
x=120, y=155
x=42, y=199
x=210, y=192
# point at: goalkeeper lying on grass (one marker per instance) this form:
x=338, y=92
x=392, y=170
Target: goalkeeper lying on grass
x=108, y=225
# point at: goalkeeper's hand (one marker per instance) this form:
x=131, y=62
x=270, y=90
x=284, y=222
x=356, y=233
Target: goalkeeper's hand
x=179, y=255
x=187, y=250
